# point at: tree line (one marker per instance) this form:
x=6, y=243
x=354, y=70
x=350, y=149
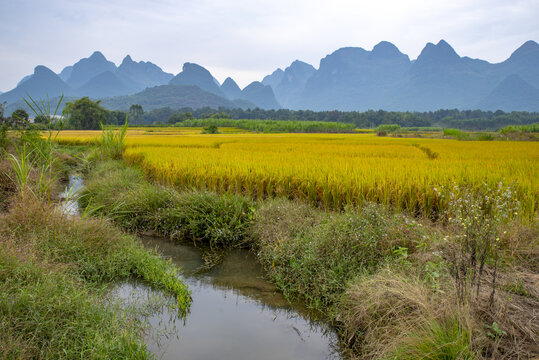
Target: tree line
x=85, y=113
x=454, y=118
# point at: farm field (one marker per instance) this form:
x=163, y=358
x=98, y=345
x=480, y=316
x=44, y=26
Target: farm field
x=332, y=170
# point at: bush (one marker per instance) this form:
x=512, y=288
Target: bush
x=386, y=129
x=313, y=254
x=211, y=129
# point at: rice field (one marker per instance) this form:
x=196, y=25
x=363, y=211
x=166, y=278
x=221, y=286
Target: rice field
x=332, y=170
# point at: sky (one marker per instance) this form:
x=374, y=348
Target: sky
x=248, y=39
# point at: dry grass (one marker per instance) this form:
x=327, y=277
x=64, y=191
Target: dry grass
x=392, y=315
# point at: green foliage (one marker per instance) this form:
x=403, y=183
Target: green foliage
x=531, y=128
x=3, y=138
x=22, y=165
x=314, y=254
x=179, y=117
x=452, y=132
x=494, y=331
x=123, y=194
x=51, y=293
x=20, y=115
x=273, y=126
x=212, y=129
x=85, y=114
x=116, y=117
x=385, y=129
x=112, y=140
x=444, y=339
x=136, y=112
x=423, y=128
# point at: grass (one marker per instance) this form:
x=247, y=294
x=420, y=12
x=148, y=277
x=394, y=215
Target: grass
x=122, y=193
x=314, y=254
x=382, y=277
x=55, y=271
x=386, y=279
x=394, y=314
x=112, y=141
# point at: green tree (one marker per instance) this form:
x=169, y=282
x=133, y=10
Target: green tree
x=20, y=115
x=136, y=112
x=179, y=117
x=2, y=107
x=85, y=114
x=40, y=119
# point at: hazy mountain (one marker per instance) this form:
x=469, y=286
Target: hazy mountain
x=524, y=62
x=384, y=78
x=511, y=93
x=356, y=79
x=193, y=74
x=440, y=78
x=85, y=69
x=292, y=82
x=66, y=73
x=140, y=75
x=173, y=96
x=261, y=95
x=24, y=79
x=103, y=85
x=43, y=82
x=231, y=89
x=274, y=78
x=350, y=78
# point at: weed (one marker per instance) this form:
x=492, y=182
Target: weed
x=112, y=141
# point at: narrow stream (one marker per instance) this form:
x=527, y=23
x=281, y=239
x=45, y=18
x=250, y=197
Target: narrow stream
x=235, y=314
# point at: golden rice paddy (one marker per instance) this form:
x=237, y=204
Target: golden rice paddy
x=331, y=170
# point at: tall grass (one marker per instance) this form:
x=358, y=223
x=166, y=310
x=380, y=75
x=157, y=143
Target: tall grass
x=22, y=166
x=53, y=273
x=112, y=142
x=122, y=194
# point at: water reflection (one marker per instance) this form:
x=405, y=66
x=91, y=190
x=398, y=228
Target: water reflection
x=235, y=314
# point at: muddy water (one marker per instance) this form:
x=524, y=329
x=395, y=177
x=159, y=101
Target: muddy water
x=235, y=314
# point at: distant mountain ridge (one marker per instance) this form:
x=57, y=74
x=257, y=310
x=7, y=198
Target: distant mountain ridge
x=350, y=78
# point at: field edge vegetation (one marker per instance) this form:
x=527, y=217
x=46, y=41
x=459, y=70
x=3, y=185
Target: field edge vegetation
x=55, y=270
x=374, y=273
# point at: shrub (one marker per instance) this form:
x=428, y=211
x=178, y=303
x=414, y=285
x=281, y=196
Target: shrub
x=211, y=129
x=313, y=254
x=386, y=129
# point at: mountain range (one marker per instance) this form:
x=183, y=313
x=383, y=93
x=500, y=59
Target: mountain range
x=348, y=79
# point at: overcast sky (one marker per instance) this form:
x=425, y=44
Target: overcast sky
x=247, y=39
